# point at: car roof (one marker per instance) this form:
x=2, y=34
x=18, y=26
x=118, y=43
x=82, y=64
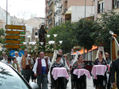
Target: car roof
x=3, y=64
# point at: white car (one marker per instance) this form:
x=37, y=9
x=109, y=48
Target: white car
x=11, y=79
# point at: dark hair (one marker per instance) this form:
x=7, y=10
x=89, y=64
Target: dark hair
x=101, y=52
x=79, y=55
x=59, y=55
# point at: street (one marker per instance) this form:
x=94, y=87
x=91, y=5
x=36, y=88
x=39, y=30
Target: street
x=89, y=84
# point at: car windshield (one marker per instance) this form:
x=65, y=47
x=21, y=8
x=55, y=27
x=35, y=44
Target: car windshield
x=9, y=79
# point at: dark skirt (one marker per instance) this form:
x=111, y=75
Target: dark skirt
x=60, y=83
x=78, y=83
x=100, y=82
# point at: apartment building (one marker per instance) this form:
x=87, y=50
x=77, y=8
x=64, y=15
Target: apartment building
x=3, y=18
x=59, y=11
x=105, y=6
x=77, y=9
x=50, y=13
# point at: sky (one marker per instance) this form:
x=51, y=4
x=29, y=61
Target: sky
x=25, y=8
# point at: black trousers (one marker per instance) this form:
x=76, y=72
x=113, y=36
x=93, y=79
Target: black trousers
x=81, y=82
x=100, y=82
x=60, y=83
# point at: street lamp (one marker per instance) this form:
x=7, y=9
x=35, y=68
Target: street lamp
x=55, y=35
x=60, y=42
x=48, y=36
x=51, y=42
x=42, y=43
x=111, y=32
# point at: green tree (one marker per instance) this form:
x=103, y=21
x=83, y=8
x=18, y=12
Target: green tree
x=85, y=33
x=65, y=33
x=2, y=34
x=109, y=21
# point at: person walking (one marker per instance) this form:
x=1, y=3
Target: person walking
x=115, y=72
x=18, y=59
x=41, y=71
x=80, y=82
x=63, y=60
x=26, y=66
x=101, y=81
x=15, y=64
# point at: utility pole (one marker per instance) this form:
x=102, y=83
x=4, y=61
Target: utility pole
x=6, y=12
x=85, y=10
x=84, y=23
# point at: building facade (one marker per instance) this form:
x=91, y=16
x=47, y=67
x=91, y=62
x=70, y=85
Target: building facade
x=102, y=6
x=77, y=9
x=50, y=13
x=3, y=18
x=60, y=11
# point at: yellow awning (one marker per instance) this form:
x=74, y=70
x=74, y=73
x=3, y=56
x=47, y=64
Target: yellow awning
x=68, y=12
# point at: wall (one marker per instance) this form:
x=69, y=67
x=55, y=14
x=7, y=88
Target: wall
x=79, y=3
x=78, y=12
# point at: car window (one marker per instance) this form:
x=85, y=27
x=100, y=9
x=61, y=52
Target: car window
x=9, y=79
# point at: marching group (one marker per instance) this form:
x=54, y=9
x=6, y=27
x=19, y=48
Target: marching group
x=38, y=67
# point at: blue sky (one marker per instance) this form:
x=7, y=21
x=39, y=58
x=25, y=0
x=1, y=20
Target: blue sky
x=25, y=8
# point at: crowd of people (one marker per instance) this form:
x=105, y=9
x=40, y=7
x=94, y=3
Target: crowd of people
x=37, y=68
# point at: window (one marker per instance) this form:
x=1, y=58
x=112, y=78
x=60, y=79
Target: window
x=9, y=79
x=100, y=6
x=115, y=3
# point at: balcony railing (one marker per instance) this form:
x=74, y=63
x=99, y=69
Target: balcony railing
x=64, y=11
x=50, y=12
x=50, y=2
x=50, y=21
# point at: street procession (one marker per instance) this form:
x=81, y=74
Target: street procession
x=59, y=44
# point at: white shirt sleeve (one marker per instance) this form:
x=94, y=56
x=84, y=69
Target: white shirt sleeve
x=35, y=66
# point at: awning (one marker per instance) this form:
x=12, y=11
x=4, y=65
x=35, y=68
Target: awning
x=68, y=12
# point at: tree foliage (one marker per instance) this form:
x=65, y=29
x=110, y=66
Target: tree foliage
x=2, y=33
x=66, y=34
x=86, y=33
x=109, y=21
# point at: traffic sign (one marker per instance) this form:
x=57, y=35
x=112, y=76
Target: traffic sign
x=12, y=53
x=21, y=52
x=12, y=41
x=15, y=32
x=14, y=37
x=12, y=46
x=18, y=27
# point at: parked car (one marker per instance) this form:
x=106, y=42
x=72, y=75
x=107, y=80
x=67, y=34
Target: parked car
x=11, y=79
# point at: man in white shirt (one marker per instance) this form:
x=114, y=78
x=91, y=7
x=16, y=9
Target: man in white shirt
x=41, y=71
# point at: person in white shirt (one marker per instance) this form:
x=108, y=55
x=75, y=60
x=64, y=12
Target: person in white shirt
x=18, y=59
x=41, y=71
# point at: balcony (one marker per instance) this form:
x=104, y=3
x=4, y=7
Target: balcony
x=64, y=11
x=50, y=12
x=50, y=21
x=50, y=2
